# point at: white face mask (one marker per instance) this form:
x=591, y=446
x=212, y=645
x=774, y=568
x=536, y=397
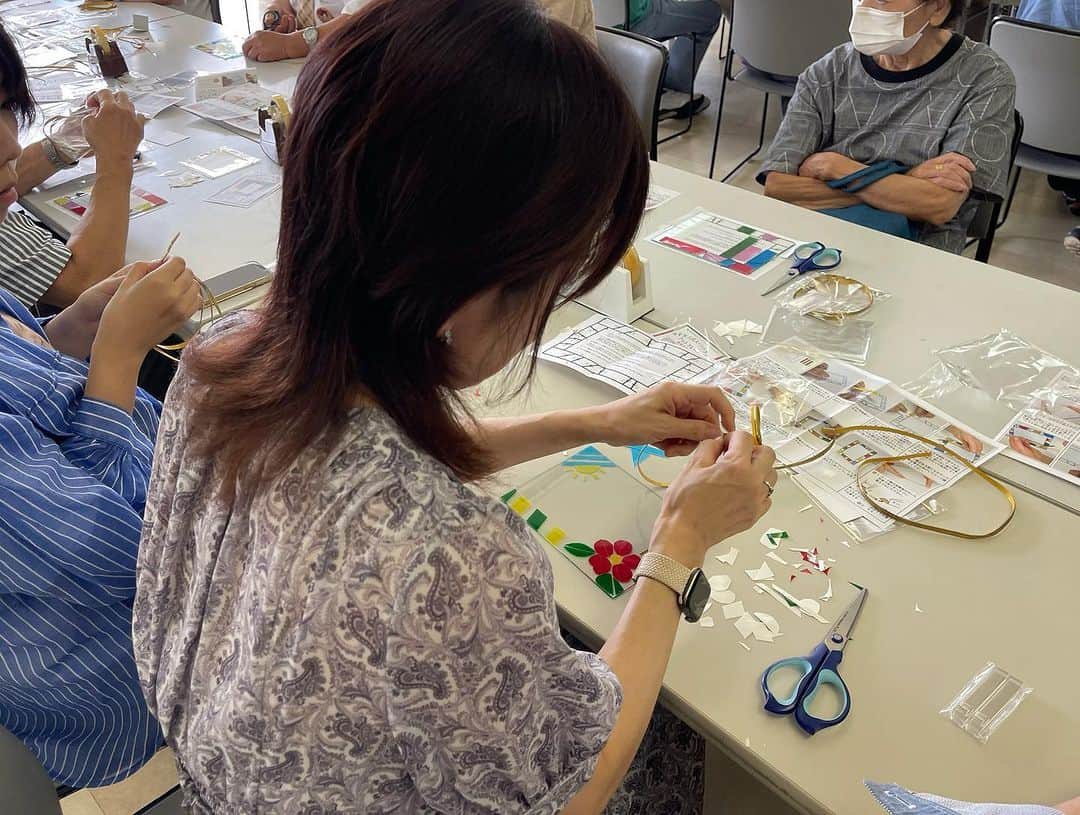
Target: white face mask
x=878, y=33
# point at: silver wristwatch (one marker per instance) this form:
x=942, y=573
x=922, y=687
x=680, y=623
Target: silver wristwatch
x=54, y=156
x=310, y=35
x=690, y=585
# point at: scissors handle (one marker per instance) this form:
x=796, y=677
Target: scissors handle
x=818, y=669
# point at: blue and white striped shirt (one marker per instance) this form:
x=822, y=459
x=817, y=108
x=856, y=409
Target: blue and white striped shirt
x=73, y=477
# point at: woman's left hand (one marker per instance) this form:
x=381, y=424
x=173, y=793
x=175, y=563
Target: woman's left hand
x=672, y=416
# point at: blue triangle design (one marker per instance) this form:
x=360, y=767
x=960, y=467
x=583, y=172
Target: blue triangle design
x=640, y=452
x=590, y=456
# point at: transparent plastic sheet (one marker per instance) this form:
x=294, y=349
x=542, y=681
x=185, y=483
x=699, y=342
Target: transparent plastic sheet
x=848, y=339
x=1004, y=366
x=828, y=293
x=986, y=701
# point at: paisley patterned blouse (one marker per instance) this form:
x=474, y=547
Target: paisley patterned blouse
x=366, y=634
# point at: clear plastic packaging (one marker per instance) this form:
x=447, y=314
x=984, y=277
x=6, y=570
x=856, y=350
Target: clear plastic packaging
x=829, y=296
x=1004, y=366
x=848, y=339
x=986, y=701
x=219, y=162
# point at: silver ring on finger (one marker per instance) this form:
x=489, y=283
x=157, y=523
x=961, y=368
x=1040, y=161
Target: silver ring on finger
x=769, y=487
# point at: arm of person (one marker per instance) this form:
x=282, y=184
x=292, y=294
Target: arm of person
x=673, y=416
x=918, y=198
x=806, y=192
x=33, y=167
x=271, y=46
x=639, y=648
x=99, y=240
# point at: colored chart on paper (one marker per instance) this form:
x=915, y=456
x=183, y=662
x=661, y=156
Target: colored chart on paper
x=741, y=248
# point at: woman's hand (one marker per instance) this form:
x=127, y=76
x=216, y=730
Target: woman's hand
x=672, y=416
x=271, y=46
x=150, y=302
x=952, y=171
x=723, y=490
x=72, y=331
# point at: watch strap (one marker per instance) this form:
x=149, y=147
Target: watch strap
x=55, y=157
x=664, y=569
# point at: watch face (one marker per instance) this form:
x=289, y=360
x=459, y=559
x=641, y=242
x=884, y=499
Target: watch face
x=695, y=596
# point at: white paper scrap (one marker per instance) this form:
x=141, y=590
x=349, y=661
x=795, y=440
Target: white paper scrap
x=828, y=591
x=747, y=647
x=764, y=573
x=719, y=582
x=776, y=557
x=747, y=625
x=723, y=597
x=769, y=621
x=736, y=328
x=733, y=611
x=845, y=544
x=919, y=610
x=706, y=622
x=772, y=592
x=807, y=508
x=729, y=558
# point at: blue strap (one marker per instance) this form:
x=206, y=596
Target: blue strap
x=861, y=179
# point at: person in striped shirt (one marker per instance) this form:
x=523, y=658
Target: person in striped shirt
x=76, y=440
x=35, y=266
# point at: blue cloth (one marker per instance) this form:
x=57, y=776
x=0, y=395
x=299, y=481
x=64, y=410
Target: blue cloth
x=892, y=223
x=1059, y=13
x=73, y=478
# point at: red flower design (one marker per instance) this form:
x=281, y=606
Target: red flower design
x=617, y=558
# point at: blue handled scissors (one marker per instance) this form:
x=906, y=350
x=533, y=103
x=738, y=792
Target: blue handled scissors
x=808, y=257
x=817, y=669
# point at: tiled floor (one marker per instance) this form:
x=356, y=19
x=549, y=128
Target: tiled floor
x=130, y=795
x=1030, y=242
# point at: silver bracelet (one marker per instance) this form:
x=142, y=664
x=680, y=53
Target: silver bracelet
x=55, y=157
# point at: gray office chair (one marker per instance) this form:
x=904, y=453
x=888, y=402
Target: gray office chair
x=616, y=14
x=1046, y=63
x=984, y=225
x=24, y=785
x=640, y=64
x=776, y=40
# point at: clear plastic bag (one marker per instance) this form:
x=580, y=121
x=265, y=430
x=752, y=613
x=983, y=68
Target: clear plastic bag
x=986, y=701
x=848, y=339
x=1004, y=366
x=828, y=296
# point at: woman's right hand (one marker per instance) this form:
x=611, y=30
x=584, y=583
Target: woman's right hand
x=722, y=491
x=151, y=302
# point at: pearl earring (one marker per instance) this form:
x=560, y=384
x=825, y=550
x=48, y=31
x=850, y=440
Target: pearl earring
x=447, y=337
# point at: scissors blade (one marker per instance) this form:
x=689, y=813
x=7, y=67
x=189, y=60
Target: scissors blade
x=842, y=627
x=786, y=278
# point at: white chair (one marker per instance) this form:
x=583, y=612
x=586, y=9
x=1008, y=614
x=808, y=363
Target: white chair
x=640, y=64
x=776, y=40
x=1046, y=63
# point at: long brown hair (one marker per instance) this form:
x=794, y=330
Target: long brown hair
x=440, y=149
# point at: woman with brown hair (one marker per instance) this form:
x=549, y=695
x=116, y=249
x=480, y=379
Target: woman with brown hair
x=329, y=617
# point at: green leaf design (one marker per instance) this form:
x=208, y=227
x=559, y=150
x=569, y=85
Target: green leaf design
x=579, y=549
x=609, y=585
x=505, y=497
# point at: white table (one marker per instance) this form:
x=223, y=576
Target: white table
x=210, y=251
x=938, y=300
x=1010, y=600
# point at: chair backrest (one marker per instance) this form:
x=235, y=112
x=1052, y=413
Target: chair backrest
x=640, y=65
x=784, y=37
x=24, y=785
x=612, y=13
x=1046, y=64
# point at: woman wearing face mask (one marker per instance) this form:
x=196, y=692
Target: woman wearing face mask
x=905, y=89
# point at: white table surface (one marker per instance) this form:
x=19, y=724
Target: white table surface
x=205, y=243
x=938, y=300
x=1008, y=599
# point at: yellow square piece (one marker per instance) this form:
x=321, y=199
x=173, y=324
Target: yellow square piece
x=555, y=536
x=520, y=504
